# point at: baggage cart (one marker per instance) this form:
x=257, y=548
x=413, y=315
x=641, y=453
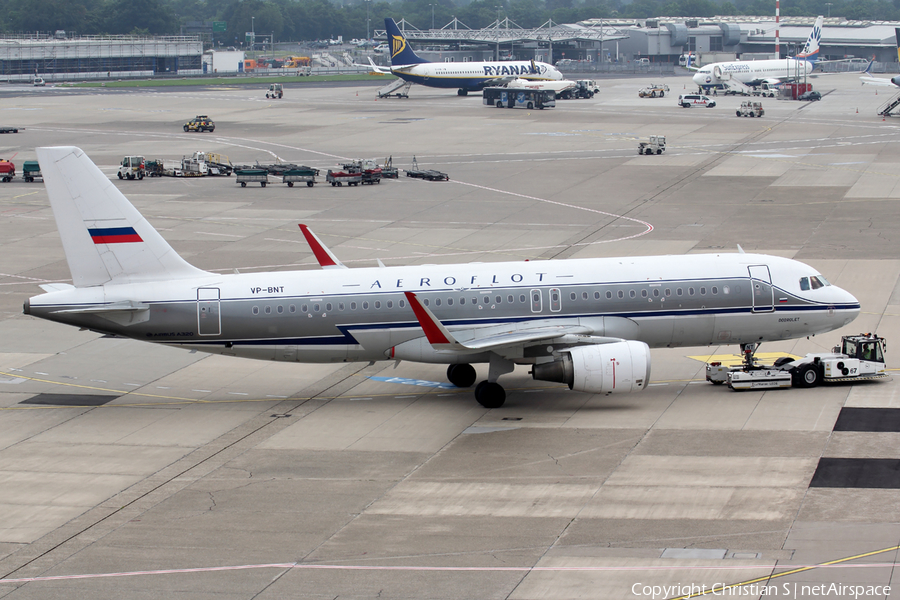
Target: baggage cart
x=339, y=178
x=300, y=176
x=246, y=176
x=31, y=170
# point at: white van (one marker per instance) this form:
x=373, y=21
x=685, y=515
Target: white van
x=689, y=100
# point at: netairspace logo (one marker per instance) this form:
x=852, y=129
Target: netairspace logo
x=793, y=591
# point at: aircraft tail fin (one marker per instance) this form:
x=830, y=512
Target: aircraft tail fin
x=810, y=51
x=104, y=236
x=401, y=54
x=897, y=35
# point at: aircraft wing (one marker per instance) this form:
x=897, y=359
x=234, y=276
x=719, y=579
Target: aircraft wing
x=376, y=68
x=569, y=332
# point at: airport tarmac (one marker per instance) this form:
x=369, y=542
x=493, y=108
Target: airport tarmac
x=133, y=471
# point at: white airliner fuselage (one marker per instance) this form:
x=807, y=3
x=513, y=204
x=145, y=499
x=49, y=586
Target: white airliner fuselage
x=586, y=322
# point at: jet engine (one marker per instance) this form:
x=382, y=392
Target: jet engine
x=620, y=367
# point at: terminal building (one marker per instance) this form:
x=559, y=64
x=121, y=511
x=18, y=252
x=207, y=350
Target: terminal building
x=59, y=58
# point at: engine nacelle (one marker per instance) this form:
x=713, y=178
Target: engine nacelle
x=620, y=368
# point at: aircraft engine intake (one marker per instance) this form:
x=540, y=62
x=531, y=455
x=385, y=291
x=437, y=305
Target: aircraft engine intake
x=620, y=367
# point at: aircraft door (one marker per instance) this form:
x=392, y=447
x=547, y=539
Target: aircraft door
x=537, y=302
x=209, y=320
x=761, y=288
x=555, y=300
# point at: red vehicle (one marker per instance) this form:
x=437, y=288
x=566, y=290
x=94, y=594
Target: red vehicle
x=7, y=170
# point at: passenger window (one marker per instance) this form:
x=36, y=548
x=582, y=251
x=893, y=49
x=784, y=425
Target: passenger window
x=631, y=293
x=328, y=307
x=690, y=291
x=510, y=299
x=315, y=308
x=304, y=308
x=679, y=291
x=449, y=302
x=584, y=295
x=656, y=292
x=498, y=300
x=255, y=310
x=643, y=293
x=402, y=303
x=715, y=290
x=340, y=306
x=365, y=305
x=437, y=302
x=668, y=292
x=703, y=291
x=280, y=309
x=378, y=304
x=353, y=306
x=572, y=296
x=522, y=298
x=292, y=308
x=487, y=299
x=462, y=300
x=621, y=294
x=608, y=295
x=268, y=310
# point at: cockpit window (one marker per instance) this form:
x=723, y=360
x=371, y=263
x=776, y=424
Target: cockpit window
x=814, y=282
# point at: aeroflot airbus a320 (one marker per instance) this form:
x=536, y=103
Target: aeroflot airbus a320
x=589, y=323
x=466, y=76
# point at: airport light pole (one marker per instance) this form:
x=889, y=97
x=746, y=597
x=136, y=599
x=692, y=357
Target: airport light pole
x=367, y=19
x=828, y=5
x=432, y=16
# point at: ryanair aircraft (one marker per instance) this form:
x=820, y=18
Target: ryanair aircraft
x=466, y=76
x=588, y=323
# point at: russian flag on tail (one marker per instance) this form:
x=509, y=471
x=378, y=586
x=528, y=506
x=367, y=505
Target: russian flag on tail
x=114, y=235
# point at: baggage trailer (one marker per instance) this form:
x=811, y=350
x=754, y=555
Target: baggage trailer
x=9, y=130
x=7, y=170
x=306, y=175
x=427, y=174
x=858, y=358
x=31, y=170
x=246, y=176
x=339, y=178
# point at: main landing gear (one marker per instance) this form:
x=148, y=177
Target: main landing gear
x=462, y=92
x=489, y=393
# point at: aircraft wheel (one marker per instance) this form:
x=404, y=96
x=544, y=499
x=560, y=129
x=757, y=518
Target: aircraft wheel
x=807, y=376
x=461, y=376
x=490, y=395
x=462, y=92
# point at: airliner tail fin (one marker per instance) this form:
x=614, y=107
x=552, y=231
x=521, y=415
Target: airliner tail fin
x=810, y=51
x=401, y=54
x=104, y=236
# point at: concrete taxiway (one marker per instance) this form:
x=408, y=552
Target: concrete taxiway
x=133, y=471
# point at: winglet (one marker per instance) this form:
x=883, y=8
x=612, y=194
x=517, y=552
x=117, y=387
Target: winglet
x=326, y=259
x=436, y=334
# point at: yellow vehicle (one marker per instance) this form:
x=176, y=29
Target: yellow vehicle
x=200, y=123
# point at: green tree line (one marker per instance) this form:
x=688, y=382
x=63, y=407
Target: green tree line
x=321, y=19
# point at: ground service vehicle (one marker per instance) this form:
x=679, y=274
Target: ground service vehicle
x=9, y=130
x=689, y=100
x=39, y=82
x=200, y=123
x=276, y=90
x=518, y=98
x=656, y=145
x=858, y=358
x=31, y=170
x=7, y=170
x=750, y=108
x=810, y=95
x=654, y=90
x=132, y=167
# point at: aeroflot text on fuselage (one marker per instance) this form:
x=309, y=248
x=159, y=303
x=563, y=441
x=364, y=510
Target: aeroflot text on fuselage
x=513, y=69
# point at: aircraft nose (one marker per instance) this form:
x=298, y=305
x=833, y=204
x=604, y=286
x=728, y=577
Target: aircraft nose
x=698, y=78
